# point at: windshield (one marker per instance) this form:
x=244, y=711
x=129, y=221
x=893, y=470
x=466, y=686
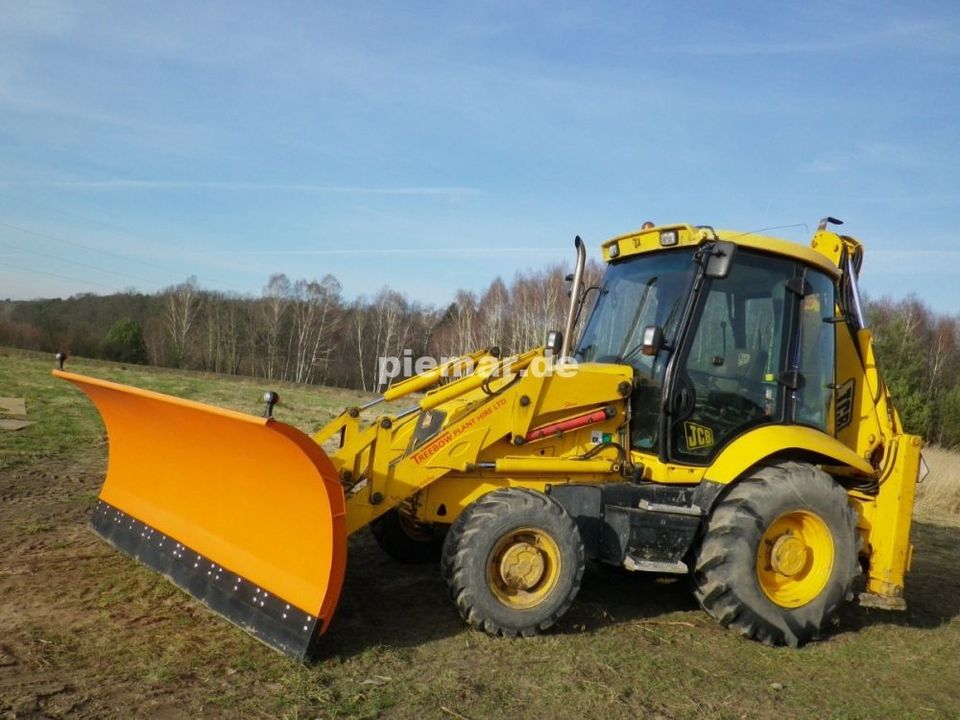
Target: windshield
x=637, y=292
x=640, y=291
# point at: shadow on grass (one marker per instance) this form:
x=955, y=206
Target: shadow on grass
x=932, y=585
x=611, y=595
x=388, y=603
x=385, y=602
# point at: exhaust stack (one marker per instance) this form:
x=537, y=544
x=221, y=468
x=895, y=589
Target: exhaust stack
x=574, y=298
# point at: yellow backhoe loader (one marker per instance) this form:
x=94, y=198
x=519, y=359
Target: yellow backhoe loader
x=721, y=416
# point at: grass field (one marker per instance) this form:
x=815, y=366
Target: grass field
x=85, y=632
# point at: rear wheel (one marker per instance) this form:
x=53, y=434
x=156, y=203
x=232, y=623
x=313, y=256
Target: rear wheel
x=406, y=540
x=513, y=562
x=779, y=555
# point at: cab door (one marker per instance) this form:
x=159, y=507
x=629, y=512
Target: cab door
x=758, y=351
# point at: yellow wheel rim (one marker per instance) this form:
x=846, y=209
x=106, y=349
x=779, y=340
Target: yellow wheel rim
x=523, y=568
x=795, y=558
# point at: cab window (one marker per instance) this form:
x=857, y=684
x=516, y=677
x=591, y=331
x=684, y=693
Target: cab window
x=816, y=355
x=726, y=381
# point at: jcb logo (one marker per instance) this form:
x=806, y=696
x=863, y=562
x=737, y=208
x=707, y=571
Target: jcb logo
x=844, y=404
x=697, y=436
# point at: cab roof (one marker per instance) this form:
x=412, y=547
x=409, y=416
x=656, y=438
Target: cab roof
x=649, y=240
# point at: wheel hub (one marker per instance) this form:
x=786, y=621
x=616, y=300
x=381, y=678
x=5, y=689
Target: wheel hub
x=522, y=566
x=795, y=558
x=788, y=556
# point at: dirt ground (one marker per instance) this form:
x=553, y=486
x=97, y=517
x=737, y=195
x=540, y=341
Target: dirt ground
x=87, y=633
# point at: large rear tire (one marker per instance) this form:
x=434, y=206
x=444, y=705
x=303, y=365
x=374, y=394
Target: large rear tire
x=406, y=540
x=513, y=562
x=779, y=555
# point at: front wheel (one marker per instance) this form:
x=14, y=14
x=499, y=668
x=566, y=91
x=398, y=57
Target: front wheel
x=779, y=555
x=513, y=562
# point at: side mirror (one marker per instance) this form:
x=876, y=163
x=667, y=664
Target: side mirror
x=720, y=260
x=554, y=342
x=652, y=340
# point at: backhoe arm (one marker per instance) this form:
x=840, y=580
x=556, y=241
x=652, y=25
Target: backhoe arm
x=867, y=422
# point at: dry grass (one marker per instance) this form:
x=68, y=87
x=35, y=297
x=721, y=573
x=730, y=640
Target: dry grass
x=87, y=633
x=939, y=494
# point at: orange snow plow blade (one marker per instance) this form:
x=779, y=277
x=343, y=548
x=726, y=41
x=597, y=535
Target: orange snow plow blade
x=244, y=513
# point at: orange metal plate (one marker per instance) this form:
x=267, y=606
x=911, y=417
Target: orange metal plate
x=252, y=494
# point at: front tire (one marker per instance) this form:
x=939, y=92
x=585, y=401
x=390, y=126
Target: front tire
x=513, y=562
x=779, y=555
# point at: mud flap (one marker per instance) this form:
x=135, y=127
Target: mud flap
x=244, y=513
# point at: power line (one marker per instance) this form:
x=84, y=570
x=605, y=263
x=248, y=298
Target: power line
x=113, y=226
x=383, y=251
x=102, y=252
x=118, y=256
x=56, y=275
x=74, y=262
x=60, y=211
x=223, y=286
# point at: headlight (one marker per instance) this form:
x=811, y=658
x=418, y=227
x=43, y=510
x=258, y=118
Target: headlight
x=668, y=238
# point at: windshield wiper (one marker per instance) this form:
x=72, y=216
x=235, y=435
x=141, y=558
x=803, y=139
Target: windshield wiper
x=641, y=306
x=636, y=348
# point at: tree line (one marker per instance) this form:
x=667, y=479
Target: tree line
x=305, y=331
x=918, y=352
x=301, y=330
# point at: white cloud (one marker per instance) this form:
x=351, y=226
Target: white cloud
x=933, y=35
x=130, y=184
x=871, y=154
x=42, y=18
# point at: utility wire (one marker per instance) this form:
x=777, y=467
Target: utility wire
x=56, y=275
x=74, y=262
x=112, y=226
x=379, y=251
x=92, y=249
x=28, y=231
x=59, y=211
x=772, y=227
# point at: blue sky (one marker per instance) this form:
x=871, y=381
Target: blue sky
x=436, y=146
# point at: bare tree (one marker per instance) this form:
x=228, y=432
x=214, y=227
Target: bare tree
x=493, y=311
x=182, y=308
x=313, y=323
x=225, y=330
x=358, y=322
x=273, y=312
x=390, y=325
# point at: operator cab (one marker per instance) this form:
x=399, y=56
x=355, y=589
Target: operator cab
x=747, y=339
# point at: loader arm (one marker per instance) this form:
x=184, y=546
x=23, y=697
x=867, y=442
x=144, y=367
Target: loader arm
x=478, y=425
